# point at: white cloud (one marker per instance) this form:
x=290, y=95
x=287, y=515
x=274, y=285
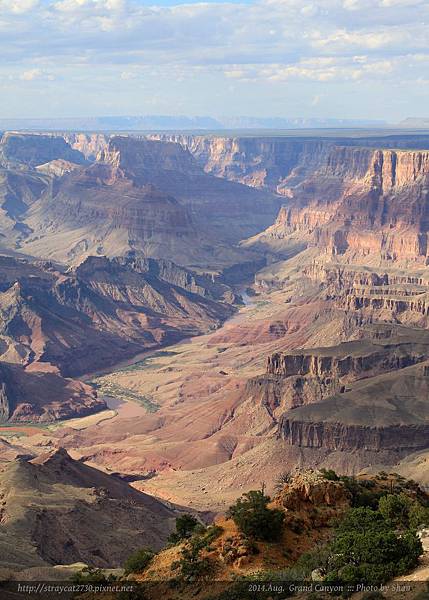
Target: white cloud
x=126, y=75
x=36, y=74
x=93, y=43
x=18, y=6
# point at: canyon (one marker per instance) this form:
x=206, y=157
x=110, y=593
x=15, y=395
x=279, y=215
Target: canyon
x=203, y=313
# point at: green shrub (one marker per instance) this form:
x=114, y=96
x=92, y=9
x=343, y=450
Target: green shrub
x=329, y=474
x=418, y=516
x=403, y=512
x=138, y=561
x=318, y=558
x=367, y=549
x=191, y=564
x=395, y=509
x=361, y=492
x=186, y=525
x=253, y=518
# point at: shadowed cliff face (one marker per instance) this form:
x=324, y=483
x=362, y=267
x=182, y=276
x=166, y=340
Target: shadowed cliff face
x=102, y=311
x=143, y=195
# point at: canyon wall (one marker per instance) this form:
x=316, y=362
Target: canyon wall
x=398, y=439
x=345, y=196
x=386, y=412
x=359, y=203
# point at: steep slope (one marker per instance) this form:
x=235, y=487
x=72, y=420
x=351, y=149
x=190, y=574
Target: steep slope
x=152, y=197
x=24, y=178
x=32, y=396
x=55, y=510
x=19, y=189
x=97, y=211
x=358, y=202
x=102, y=311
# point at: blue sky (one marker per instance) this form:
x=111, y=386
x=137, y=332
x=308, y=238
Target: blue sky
x=286, y=58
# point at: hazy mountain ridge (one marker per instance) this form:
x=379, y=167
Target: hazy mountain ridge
x=167, y=122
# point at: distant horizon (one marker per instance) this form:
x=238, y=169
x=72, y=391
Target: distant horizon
x=205, y=123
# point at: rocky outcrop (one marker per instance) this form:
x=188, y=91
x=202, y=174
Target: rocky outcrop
x=31, y=150
x=402, y=439
x=88, y=144
x=350, y=360
x=311, y=488
x=384, y=413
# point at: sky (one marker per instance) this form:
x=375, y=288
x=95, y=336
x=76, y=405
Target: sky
x=352, y=59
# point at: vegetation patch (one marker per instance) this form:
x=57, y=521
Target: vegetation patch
x=253, y=517
x=107, y=388
x=146, y=363
x=138, y=561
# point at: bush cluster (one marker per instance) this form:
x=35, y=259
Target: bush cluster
x=254, y=519
x=186, y=526
x=138, y=561
x=367, y=548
